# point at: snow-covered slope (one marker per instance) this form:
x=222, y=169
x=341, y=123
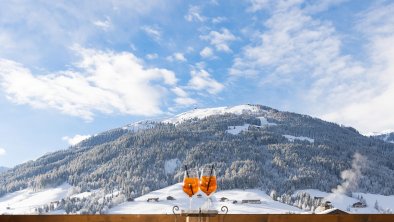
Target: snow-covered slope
x=164, y=206
x=25, y=201
x=202, y=113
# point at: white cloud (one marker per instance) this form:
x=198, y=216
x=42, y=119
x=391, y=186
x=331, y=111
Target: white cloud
x=293, y=42
x=218, y=20
x=52, y=28
x=177, y=57
x=189, y=49
x=179, y=92
x=256, y=5
x=152, y=32
x=206, y=52
x=202, y=80
x=180, y=57
x=105, y=82
x=183, y=97
x=322, y=5
x=152, y=56
x=75, y=139
x=103, y=24
x=185, y=101
x=373, y=111
x=2, y=152
x=194, y=14
x=304, y=55
x=220, y=39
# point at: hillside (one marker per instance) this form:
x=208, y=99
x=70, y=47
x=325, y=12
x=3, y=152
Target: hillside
x=252, y=146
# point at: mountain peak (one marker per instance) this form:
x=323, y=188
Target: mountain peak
x=201, y=113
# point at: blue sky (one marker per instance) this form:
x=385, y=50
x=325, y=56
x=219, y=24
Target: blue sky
x=74, y=68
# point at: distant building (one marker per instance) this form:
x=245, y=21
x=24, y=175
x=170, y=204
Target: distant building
x=170, y=198
x=234, y=201
x=251, y=201
x=223, y=199
x=359, y=205
x=154, y=199
x=332, y=211
x=324, y=206
x=328, y=205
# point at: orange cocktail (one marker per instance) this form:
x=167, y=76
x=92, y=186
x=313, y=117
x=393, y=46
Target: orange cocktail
x=190, y=185
x=208, y=184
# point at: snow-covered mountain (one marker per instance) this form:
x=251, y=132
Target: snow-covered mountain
x=251, y=146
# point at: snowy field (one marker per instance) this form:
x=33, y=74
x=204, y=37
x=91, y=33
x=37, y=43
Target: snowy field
x=164, y=206
x=25, y=201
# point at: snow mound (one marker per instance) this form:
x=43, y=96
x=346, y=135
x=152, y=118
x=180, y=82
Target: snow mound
x=203, y=113
x=302, y=138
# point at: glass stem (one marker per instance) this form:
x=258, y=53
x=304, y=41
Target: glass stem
x=190, y=203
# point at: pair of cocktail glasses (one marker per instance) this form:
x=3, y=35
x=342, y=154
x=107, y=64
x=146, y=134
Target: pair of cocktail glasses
x=207, y=183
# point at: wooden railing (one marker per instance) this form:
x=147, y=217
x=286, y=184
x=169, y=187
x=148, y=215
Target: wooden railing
x=218, y=218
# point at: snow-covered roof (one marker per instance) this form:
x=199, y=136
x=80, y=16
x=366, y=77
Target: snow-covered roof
x=330, y=211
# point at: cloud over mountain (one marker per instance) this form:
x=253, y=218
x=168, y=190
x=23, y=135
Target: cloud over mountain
x=102, y=81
